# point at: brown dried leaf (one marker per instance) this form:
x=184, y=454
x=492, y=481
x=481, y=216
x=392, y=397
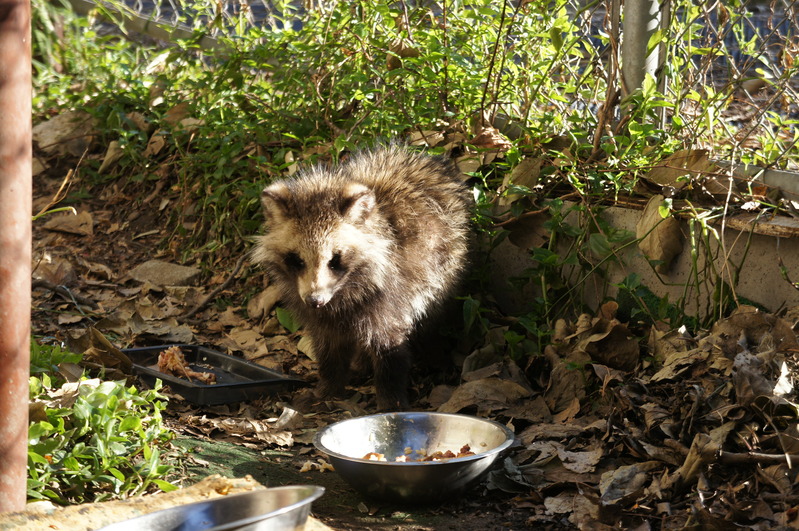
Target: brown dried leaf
x=586, y=514
x=81, y=224
x=525, y=174
x=177, y=113
x=426, y=138
x=154, y=145
x=399, y=49
x=663, y=453
x=654, y=415
x=678, y=362
x=611, y=343
x=566, y=383
x=533, y=410
x=749, y=385
x=238, y=429
x=581, y=462
x=661, y=239
x=113, y=153
x=569, y=412
x=563, y=503
x=538, y=432
x=69, y=133
x=778, y=476
x=691, y=163
x=56, y=270
x=662, y=344
x=703, y=451
x=487, y=394
x=626, y=483
x=98, y=350
x=490, y=137
x=439, y=395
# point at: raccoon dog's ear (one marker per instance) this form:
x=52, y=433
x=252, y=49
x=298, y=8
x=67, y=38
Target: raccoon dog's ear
x=275, y=200
x=358, y=203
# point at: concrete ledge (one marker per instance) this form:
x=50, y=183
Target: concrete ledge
x=751, y=256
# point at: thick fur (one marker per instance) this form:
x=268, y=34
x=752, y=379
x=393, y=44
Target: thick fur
x=362, y=253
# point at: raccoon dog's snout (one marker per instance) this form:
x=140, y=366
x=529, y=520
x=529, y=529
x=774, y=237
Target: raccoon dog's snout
x=315, y=301
x=361, y=254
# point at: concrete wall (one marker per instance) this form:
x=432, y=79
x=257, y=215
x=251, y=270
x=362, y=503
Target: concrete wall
x=759, y=279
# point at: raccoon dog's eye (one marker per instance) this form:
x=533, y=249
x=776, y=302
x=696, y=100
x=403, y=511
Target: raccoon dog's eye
x=293, y=261
x=335, y=263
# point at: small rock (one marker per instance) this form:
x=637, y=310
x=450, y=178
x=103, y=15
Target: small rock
x=164, y=273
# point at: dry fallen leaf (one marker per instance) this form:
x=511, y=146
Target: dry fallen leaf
x=486, y=394
x=661, y=239
x=112, y=154
x=490, y=137
x=528, y=231
x=154, y=146
x=525, y=174
x=691, y=163
x=580, y=461
x=626, y=483
x=611, y=343
x=81, y=224
x=678, y=362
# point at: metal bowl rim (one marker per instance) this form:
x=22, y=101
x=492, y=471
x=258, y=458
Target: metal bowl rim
x=316, y=493
x=510, y=436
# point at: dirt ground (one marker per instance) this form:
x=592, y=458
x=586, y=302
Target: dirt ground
x=343, y=508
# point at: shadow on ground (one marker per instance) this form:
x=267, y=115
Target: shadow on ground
x=341, y=507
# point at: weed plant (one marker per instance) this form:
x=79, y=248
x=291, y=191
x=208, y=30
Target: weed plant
x=92, y=440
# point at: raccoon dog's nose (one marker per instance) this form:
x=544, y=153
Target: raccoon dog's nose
x=315, y=301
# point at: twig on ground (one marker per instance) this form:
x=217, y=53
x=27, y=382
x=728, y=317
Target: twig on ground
x=732, y=458
x=64, y=292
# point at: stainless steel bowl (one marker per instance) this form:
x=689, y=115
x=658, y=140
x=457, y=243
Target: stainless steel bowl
x=273, y=509
x=390, y=434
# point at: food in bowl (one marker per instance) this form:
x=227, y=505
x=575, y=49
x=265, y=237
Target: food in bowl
x=435, y=456
x=414, y=480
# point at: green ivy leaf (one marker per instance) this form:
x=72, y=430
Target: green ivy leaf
x=287, y=320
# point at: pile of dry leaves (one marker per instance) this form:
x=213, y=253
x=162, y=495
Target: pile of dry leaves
x=697, y=431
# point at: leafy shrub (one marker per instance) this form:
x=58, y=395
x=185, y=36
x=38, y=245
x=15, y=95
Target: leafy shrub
x=92, y=440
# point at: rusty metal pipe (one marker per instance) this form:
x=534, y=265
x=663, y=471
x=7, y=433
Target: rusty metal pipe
x=15, y=248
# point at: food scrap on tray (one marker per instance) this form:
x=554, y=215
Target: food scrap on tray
x=435, y=456
x=172, y=361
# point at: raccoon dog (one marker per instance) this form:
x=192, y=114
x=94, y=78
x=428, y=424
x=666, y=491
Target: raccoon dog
x=362, y=253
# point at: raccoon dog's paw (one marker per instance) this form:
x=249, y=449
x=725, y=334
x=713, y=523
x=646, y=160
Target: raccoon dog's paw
x=392, y=403
x=326, y=390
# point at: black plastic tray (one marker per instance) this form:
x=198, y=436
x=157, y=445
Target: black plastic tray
x=236, y=379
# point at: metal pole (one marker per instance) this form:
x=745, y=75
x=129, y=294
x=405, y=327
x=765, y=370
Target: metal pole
x=15, y=248
x=641, y=20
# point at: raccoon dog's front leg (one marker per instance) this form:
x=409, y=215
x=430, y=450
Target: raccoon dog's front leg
x=334, y=359
x=392, y=367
